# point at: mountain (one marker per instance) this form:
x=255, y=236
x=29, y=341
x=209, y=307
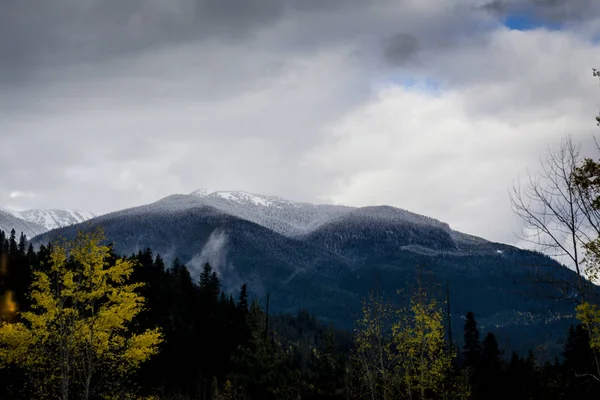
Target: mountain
x=8, y=222
x=36, y=221
x=327, y=258
x=53, y=219
x=282, y=216
x=289, y=218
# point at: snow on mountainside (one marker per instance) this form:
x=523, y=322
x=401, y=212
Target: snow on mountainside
x=8, y=222
x=326, y=258
x=280, y=215
x=286, y=217
x=36, y=221
x=245, y=198
x=292, y=218
x=52, y=219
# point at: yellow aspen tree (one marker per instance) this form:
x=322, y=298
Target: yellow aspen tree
x=586, y=178
x=76, y=339
x=587, y=312
x=424, y=362
x=374, y=357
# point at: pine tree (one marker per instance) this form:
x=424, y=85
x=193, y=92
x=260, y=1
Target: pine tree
x=330, y=377
x=214, y=287
x=577, y=352
x=263, y=366
x=13, y=249
x=471, y=347
x=31, y=256
x=205, y=277
x=490, y=369
x=5, y=244
x=159, y=264
x=579, y=365
x=22, y=244
x=490, y=352
x=243, y=299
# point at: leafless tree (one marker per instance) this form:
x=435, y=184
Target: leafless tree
x=559, y=219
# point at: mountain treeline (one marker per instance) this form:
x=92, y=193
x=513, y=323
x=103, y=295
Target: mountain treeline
x=217, y=345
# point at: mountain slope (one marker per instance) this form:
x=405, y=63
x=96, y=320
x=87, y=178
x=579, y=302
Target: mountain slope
x=36, y=221
x=241, y=251
x=8, y=222
x=327, y=258
x=283, y=216
x=53, y=219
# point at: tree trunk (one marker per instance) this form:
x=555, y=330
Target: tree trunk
x=64, y=369
x=88, y=380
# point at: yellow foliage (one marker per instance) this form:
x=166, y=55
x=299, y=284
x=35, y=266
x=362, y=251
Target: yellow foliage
x=592, y=261
x=589, y=315
x=375, y=356
x=424, y=362
x=81, y=306
x=403, y=354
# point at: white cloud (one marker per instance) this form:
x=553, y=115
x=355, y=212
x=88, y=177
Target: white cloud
x=18, y=195
x=306, y=106
x=453, y=155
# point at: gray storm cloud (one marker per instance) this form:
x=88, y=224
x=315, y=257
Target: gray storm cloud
x=549, y=11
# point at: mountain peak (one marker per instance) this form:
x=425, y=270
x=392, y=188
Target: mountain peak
x=49, y=219
x=201, y=192
x=243, y=197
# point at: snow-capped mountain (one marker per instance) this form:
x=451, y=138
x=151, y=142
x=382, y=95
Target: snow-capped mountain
x=52, y=219
x=283, y=216
x=326, y=258
x=289, y=218
x=245, y=198
x=36, y=221
x=8, y=222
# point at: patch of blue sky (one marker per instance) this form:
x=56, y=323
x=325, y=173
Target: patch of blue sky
x=527, y=22
x=416, y=83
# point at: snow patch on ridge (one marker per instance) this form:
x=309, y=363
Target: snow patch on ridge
x=51, y=219
x=243, y=198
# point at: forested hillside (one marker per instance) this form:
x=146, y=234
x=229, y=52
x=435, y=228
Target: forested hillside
x=331, y=267
x=223, y=344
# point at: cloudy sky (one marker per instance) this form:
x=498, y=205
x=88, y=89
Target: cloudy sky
x=435, y=106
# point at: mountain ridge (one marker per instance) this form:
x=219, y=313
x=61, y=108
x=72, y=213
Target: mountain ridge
x=326, y=258
x=292, y=218
x=32, y=222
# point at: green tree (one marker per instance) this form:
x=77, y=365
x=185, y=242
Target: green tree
x=472, y=346
x=263, y=367
x=13, y=248
x=243, y=299
x=490, y=369
x=22, y=244
x=329, y=368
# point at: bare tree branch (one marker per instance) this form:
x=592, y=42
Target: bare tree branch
x=558, y=218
